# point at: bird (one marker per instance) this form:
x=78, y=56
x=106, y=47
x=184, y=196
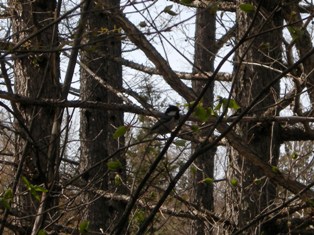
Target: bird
x=168, y=121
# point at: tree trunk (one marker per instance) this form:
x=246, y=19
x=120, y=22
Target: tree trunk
x=204, y=62
x=255, y=193
x=98, y=126
x=36, y=76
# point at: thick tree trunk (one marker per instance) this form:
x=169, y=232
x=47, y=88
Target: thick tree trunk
x=36, y=76
x=255, y=193
x=98, y=126
x=204, y=60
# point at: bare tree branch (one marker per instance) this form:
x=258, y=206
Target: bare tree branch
x=273, y=174
x=137, y=37
x=221, y=76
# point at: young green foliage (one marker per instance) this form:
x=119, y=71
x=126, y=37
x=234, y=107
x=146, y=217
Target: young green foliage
x=35, y=190
x=120, y=131
x=169, y=11
x=83, y=227
x=114, y=165
x=6, y=198
x=247, y=7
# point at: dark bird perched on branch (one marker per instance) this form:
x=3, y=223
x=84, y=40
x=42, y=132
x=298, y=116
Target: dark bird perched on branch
x=168, y=121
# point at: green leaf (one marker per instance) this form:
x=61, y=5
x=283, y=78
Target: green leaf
x=26, y=182
x=34, y=189
x=35, y=194
x=189, y=105
x=264, y=46
x=296, y=33
x=201, y=113
x=121, y=130
x=152, y=195
x=168, y=8
x=117, y=180
x=234, y=182
x=5, y=199
x=172, y=13
x=8, y=194
x=83, y=227
x=225, y=103
x=139, y=216
x=186, y=2
x=193, y=170
x=294, y=156
x=310, y=202
x=4, y=203
x=293, y=32
x=275, y=169
x=195, y=128
x=169, y=11
x=180, y=143
x=114, y=165
x=257, y=181
x=142, y=24
x=42, y=232
x=212, y=112
x=219, y=105
x=208, y=180
x=233, y=104
x=39, y=188
x=246, y=7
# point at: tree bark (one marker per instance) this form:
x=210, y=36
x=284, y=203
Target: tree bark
x=98, y=125
x=36, y=76
x=255, y=193
x=205, y=34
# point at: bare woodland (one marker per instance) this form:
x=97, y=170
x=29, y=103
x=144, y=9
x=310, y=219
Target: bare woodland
x=82, y=83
